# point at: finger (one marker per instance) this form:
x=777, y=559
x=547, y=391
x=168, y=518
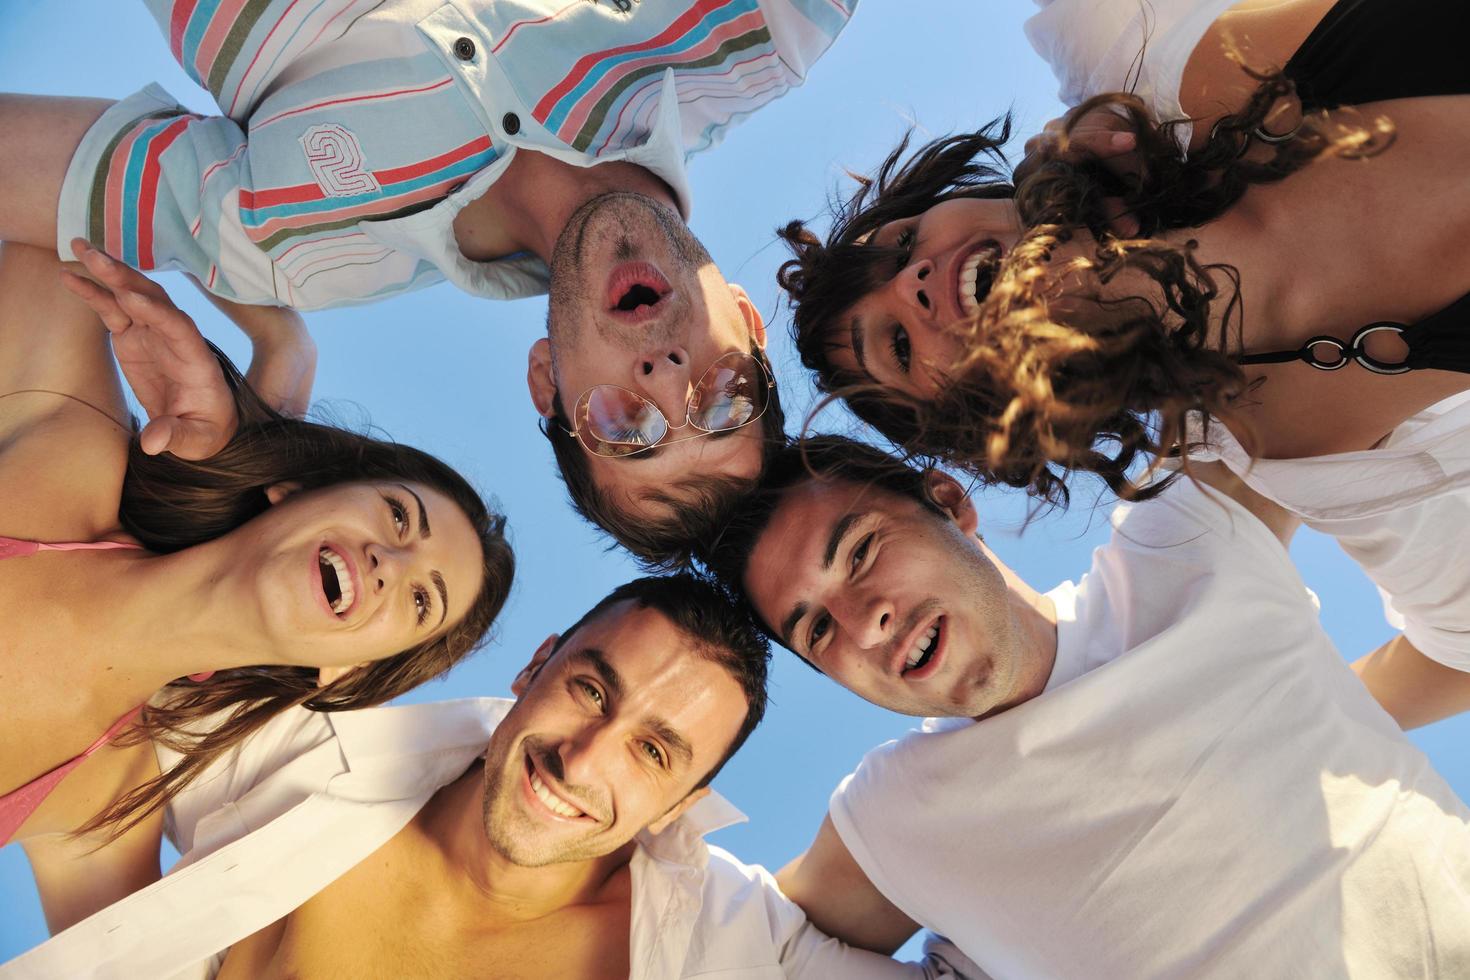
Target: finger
x=102, y=302
x=196, y=439
x=158, y=434
x=109, y=271
x=1103, y=144
x=167, y=320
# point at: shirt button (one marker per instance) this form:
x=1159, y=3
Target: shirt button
x=464, y=49
x=511, y=123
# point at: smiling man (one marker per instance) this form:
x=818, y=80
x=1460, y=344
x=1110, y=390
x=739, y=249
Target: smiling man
x=1165, y=769
x=368, y=148
x=556, y=835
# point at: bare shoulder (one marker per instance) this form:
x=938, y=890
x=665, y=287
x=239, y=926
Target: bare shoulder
x=61, y=469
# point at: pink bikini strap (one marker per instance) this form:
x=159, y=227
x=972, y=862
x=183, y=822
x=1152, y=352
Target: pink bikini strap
x=84, y=546
x=21, y=548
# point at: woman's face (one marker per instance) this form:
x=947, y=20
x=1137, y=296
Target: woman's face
x=357, y=572
x=899, y=334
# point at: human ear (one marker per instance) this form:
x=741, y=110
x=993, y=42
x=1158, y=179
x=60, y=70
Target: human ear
x=677, y=810
x=540, y=379
x=754, y=322
x=528, y=673
x=278, y=492
x=947, y=494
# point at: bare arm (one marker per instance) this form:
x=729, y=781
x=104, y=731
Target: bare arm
x=1412, y=688
x=41, y=134
x=58, y=387
x=839, y=899
x=1278, y=520
x=1265, y=34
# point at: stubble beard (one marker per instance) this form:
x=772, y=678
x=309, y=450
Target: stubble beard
x=513, y=835
x=573, y=298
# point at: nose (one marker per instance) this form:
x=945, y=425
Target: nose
x=867, y=616
x=384, y=566
x=914, y=285
x=584, y=754
x=663, y=377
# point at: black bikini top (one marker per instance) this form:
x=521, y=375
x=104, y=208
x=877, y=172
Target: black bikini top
x=1440, y=340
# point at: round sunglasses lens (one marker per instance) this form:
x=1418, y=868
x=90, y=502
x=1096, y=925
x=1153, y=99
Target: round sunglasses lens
x=618, y=422
x=732, y=392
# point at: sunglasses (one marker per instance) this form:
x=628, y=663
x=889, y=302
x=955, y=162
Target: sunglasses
x=609, y=420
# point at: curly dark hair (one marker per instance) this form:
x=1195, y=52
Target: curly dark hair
x=1035, y=398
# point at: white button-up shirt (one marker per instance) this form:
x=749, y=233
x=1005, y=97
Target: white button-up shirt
x=311, y=795
x=1401, y=510
x=353, y=132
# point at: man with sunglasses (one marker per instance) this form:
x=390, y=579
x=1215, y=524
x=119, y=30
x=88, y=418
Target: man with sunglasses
x=365, y=149
x=652, y=380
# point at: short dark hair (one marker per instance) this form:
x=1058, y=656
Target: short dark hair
x=661, y=544
x=828, y=457
x=721, y=629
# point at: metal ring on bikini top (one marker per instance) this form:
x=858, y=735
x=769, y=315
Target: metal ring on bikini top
x=1353, y=350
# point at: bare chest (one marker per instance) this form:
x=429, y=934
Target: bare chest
x=62, y=682
x=373, y=923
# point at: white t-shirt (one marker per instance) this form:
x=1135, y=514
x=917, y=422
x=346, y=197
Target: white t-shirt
x=1400, y=510
x=1138, y=46
x=1204, y=788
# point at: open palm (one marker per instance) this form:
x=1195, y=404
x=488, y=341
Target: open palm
x=191, y=412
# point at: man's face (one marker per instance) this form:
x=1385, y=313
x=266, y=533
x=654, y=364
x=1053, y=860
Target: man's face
x=637, y=302
x=897, y=603
x=608, y=736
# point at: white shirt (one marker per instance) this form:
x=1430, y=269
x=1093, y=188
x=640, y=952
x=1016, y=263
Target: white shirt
x=1204, y=789
x=1400, y=510
x=311, y=795
x=1138, y=46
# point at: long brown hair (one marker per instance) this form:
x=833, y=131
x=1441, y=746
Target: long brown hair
x=170, y=504
x=1034, y=399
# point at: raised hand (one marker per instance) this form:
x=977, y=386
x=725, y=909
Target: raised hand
x=1100, y=134
x=191, y=412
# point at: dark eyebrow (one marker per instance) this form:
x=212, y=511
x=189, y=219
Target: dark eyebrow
x=604, y=670
x=424, y=531
x=438, y=581
x=839, y=531
x=673, y=739
x=797, y=611
x=653, y=451
x=614, y=684
x=855, y=338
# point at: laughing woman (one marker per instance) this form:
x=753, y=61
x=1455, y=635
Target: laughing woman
x=1317, y=314
x=145, y=594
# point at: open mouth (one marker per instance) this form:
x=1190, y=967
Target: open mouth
x=924, y=649
x=336, y=577
x=977, y=275
x=549, y=799
x=635, y=290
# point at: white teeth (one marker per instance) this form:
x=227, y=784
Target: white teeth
x=970, y=274
x=922, y=647
x=553, y=802
x=344, y=580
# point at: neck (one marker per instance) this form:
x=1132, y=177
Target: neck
x=163, y=615
x=527, y=207
x=506, y=893
x=1035, y=619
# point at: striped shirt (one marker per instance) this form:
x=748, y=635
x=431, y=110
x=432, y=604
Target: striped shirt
x=353, y=131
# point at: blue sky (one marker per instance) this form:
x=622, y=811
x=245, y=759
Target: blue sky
x=445, y=372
